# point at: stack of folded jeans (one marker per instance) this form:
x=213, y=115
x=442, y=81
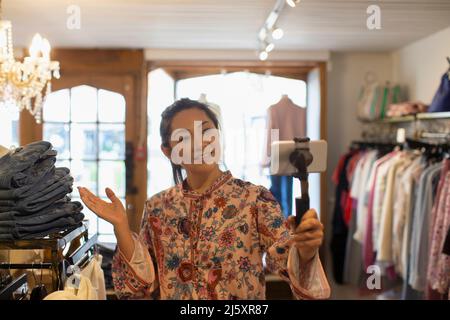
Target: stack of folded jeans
x=33, y=194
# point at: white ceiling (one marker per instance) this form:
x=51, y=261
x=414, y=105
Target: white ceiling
x=225, y=24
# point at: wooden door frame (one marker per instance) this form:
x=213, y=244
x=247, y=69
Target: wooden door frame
x=182, y=69
x=91, y=63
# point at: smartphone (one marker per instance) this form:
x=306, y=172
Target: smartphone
x=280, y=164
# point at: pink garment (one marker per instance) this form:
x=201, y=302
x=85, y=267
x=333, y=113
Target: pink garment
x=288, y=118
x=211, y=246
x=430, y=293
x=439, y=263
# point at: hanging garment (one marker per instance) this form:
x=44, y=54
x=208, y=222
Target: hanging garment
x=93, y=271
x=81, y=289
x=339, y=227
x=439, y=263
x=431, y=293
x=360, y=193
x=419, y=248
x=353, y=255
x=379, y=190
x=290, y=121
x=366, y=234
x=441, y=100
x=385, y=220
x=446, y=248
x=403, y=209
x=210, y=246
x=281, y=188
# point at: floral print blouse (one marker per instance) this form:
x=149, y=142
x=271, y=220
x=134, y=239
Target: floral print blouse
x=211, y=246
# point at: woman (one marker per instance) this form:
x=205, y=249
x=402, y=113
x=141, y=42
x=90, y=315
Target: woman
x=205, y=237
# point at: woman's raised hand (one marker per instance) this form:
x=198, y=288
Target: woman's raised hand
x=113, y=212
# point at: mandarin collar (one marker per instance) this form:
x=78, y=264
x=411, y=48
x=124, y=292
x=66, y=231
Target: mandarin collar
x=224, y=177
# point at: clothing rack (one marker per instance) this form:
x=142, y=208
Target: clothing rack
x=8, y=292
x=9, y=266
x=56, y=244
x=82, y=252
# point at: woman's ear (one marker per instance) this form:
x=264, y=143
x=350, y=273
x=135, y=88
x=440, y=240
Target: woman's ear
x=166, y=151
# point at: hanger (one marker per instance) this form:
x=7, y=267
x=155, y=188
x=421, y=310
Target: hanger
x=74, y=280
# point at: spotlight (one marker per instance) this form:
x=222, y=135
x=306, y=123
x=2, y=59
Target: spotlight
x=269, y=47
x=263, y=55
x=277, y=33
x=292, y=3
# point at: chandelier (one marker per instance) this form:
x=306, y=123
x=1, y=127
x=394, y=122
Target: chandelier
x=25, y=85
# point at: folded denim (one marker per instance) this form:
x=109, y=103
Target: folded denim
x=26, y=190
x=34, y=173
x=62, y=182
x=35, y=205
x=42, y=230
x=41, y=199
x=56, y=211
x=13, y=163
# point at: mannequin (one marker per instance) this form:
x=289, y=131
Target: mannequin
x=290, y=120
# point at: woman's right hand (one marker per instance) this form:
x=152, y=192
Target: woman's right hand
x=113, y=212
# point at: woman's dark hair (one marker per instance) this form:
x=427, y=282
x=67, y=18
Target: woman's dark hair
x=165, y=129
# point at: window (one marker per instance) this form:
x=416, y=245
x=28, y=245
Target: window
x=86, y=126
x=243, y=107
x=160, y=96
x=9, y=126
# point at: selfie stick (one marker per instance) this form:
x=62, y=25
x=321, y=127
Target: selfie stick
x=301, y=158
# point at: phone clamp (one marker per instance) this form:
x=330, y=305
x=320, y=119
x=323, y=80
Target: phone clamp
x=301, y=158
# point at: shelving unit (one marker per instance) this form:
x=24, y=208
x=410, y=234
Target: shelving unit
x=411, y=118
x=56, y=244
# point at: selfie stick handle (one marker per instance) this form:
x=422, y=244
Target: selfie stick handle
x=300, y=159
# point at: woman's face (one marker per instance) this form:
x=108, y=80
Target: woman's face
x=194, y=141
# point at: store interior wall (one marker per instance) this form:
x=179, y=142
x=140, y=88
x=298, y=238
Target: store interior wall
x=345, y=77
x=421, y=64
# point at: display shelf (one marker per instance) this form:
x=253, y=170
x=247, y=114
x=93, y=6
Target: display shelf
x=410, y=118
x=53, y=242
x=56, y=244
x=433, y=115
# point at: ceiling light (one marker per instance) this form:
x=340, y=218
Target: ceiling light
x=292, y=3
x=269, y=47
x=25, y=84
x=262, y=34
x=277, y=33
x=263, y=55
